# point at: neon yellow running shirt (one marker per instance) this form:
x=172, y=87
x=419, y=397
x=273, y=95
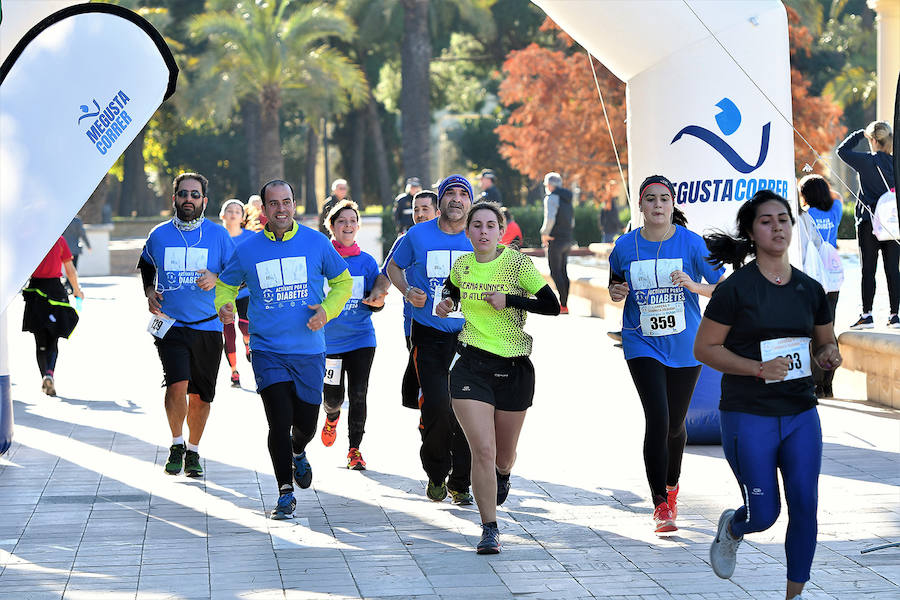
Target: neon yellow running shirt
x=497, y=331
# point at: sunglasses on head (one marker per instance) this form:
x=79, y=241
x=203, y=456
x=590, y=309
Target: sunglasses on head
x=184, y=194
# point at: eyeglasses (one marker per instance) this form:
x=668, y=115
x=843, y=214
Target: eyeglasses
x=184, y=194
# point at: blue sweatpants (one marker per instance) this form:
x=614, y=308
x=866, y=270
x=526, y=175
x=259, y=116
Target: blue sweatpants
x=756, y=447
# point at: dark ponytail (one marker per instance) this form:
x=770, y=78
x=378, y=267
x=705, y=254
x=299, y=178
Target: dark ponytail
x=678, y=216
x=733, y=250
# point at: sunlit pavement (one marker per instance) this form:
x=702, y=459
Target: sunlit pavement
x=86, y=511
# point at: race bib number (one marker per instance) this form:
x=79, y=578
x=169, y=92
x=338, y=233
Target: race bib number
x=795, y=349
x=438, y=297
x=159, y=325
x=662, y=319
x=333, y=371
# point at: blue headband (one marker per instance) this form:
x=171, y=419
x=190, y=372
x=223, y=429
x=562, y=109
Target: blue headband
x=452, y=181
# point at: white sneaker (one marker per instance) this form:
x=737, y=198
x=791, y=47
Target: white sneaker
x=723, y=551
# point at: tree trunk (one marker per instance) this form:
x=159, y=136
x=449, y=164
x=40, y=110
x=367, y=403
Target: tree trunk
x=92, y=211
x=271, y=161
x=381, y=165
x=327, y=182
x=415, y=56
x=250, y=115
x=312, y=149
x=136, y=195
x=357, y=156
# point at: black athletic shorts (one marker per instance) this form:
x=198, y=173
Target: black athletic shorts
x=242, y=304
x=191, y=355
x=505, y=383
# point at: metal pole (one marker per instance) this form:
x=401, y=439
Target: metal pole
x=6, y=406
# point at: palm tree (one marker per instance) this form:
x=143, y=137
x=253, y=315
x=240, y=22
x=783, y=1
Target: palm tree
x=277, y=51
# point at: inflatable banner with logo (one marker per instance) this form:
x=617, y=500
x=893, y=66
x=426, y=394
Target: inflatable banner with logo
x=76, y=87
x=708, y=106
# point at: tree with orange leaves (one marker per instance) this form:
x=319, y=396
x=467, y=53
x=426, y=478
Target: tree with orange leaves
x=557, y=121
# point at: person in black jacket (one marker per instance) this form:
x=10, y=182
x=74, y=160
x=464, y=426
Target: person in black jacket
x=403, y=205
x=870, y=168
x=489, y=190
x=556, y=234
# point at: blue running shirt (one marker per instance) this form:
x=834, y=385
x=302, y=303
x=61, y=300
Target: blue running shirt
x=245, y=234
x=660, y=320
x=284, y=278
x=407, y=307
x=426, y=254
x=353, y=328
x=827, y=221
x=178, y=256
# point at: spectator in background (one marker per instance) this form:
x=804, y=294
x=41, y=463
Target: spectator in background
x=403, y=205
x=875, y=170
x=74, y=235
x=557, y=234
x=256, y=218
x=826, y=212
x=512, y=237
x=338, y=192
x=489, y=190
x=610, y=226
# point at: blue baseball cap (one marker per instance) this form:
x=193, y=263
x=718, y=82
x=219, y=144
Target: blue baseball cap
x=452, y=181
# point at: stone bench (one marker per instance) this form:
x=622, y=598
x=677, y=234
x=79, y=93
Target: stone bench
x=877, y=355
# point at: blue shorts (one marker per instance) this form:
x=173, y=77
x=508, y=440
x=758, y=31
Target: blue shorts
x=306, y=371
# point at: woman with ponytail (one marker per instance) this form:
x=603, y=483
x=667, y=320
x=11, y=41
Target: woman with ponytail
x=657, y=270
x=761, y=328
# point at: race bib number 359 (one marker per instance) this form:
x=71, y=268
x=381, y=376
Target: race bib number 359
x=796, y=350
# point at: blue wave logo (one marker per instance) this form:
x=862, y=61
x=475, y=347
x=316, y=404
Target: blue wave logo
x=86, y=110
x=728, y=119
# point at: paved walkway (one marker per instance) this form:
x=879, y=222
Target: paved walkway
x=87, y=512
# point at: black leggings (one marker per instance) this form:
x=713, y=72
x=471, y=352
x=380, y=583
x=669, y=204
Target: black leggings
x=357, y=364
x=665, y=393
x=558, y=258
x=869, y=246
x=47, y=350
x=292, y=424
x=444, y=450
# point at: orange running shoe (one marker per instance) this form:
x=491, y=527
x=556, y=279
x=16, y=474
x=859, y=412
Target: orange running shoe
x=672, y=500
x=355, y=460
x=664, y=519
x=329, y=431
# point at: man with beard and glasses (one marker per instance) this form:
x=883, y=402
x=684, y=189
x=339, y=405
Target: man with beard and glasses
x=179, y=267
x=420, y=265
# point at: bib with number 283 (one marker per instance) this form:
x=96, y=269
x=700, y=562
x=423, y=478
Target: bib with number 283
x=795, y=349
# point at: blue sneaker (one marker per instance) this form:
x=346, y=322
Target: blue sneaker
x=302, y=471
x=284, y=509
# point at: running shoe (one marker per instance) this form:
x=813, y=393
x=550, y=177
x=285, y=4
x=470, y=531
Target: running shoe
x=664, y=519
x=563, y=310
x=235, y=379
x=490, y=540
x=864, y=323
x=436, y=492
x=284, y=509
x=461, y=498
x=47, y=386
x=827, y=391
x=192, y=467
x=176, y=459
x=502, y=487
x=302, y=471
x=329, y=431
x=354, y=459
x=723, y=551
x=672, y=501
x=894, y=322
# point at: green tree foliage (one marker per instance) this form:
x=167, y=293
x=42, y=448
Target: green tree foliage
x=276, y=51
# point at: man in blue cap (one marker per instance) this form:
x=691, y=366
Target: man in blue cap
x=419, y=267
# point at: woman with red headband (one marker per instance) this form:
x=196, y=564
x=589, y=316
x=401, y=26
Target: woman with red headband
x=657, y=270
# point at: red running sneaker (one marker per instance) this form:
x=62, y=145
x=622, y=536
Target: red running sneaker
x=355, y=460
x=672, y=500
x=329, y=431
x=664, y=519
x=563, y=310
